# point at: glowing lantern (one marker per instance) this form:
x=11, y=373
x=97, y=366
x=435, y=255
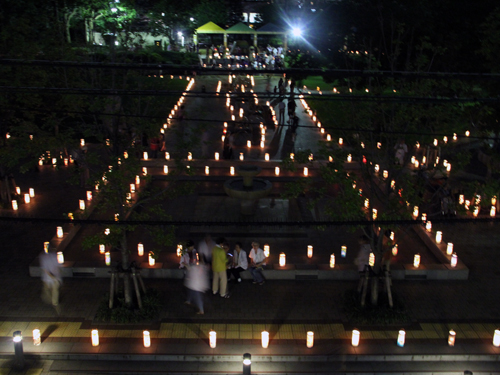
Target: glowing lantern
x=264, y=338
x=377, y=168
x=107, y=231
x=146, y=338
x=37, y=338
x=132, y=188
x=231, y=171
x=82, y=142
x=428, y=226
x=415, y=211
x=266, y=157
x=95, y=337
x=401, y=338
x=493, y=211
x=332, y=261
x=395, y=250
x=328, y=137
x=282, y=260
x=26, y=198
x=309, y=251
x=46, y=246
x=343, y=251
x=371, y=260
x=60, y=257
x=89, y=195
x=449, y=248
x=454, y=260
x=435, y=142
x=242, y=157
x=448, y=167
x=385, y=173
x=179, y=250
x=367, y=202
x=306, y=171
x=424, y=217
x=165, y=169
x=341, y=141
x=292, y=155
x=416, y=260
x=213, y=339
x=107, y=258
x=349, y=158
x=451, y=338
x=476, y=211
x=310, y=339
x=277, y=171
x=145, y=155
x=439, y=236
x=144, y=171
x=102, y=248
x=32, y=192
x=207, y=170
x=355, y=337
x=249, y=144
x=60, y=232
x=137, y=180
x=82, y=204
x=167, y=155
x=496, y=338
x=190, y=156
x=493, y=200
x=267, y=250
x=467, y=133
x=14, y=205
x=140, y=249
x=216, y=156
x=374, y=213
x=151, y=259
x=393, y=184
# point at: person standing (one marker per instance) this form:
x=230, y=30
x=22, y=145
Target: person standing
x=258, y=261
x=291, y=109
x=51, y=278
x=401, y=150
x=281, y=112
x=190, y=256
x=239, y=263
x=219, y=266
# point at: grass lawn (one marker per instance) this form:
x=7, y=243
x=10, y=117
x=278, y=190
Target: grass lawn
x=312, y=82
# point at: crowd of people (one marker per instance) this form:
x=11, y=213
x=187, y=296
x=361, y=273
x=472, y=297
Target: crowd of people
x=224, y=264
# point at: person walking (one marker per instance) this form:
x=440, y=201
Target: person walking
x=219, y=266
x=258, y=261
x=281, y=112
x=239, y=263
x=197, y=283
x=51, y=278
x=291, y=109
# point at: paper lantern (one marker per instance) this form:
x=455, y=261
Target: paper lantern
x=60, y=232
x=343, y=251
x=401, y=338
x=60, y=257
x=82, y=204
x=213, y=339
x=37, y=338
x=179, y=250
x=454, y=260
x=46, y=245
x=132, y=188
x=282, y=260
x=231, y=171
x=451, y=338
x=190, y=156
x=95, y=337
x=107, y=258
x=493, y=211
x=267, y=250
x=395, y=250
x=277, y=171
x=306, y=171
x=439, y=236
x=374, y=213
x=377, y=168
x=424, y=217
x=26, y=198
x=385, y=173
x=216, y=156
x=242, y=157
x=449, y=248
x=32, y=192
x=146, y=338
x=415, y=211
x=151, y=259
x=145, y=155
x=102, y=248
x=89, y=195
x=249, y=144
x=428, y=226
x=140, y=249
x=264, y=338
x=107, y=231
x=309, y=251
x=328, y=137
x=14, y=205
x=332, y=261
x=167, y=156
x=144, y=171
x=496, y=338
x=371, y=260
x=416, y=260
x=310, y=339
x=82, y=142
x=165, y=169
x=349, y=158
x=355, y=337
x=207, y=170
x=341, y=141
x=266, y=157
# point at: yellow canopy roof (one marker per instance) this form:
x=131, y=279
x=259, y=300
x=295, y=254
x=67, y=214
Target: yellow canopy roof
x=210, y=28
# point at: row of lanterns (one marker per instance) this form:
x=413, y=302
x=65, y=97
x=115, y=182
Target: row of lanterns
x=27, y=197
x=355, y=338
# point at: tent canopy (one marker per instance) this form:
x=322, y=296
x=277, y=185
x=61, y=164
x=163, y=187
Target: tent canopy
x=240, y=28
x=210, y=28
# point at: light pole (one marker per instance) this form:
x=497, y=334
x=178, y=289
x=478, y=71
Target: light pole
x=247, y=364
x=18, y=349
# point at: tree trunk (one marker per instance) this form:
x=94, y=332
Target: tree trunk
x=374, y=290
x=127, y=286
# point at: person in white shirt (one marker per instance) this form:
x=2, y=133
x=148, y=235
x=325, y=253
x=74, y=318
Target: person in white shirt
x=190, y=256
x=238, y=263
x=51, y=278
x=258, y=261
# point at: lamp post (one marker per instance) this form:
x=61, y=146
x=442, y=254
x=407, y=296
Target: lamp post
x=247, y=364
x=18, y=349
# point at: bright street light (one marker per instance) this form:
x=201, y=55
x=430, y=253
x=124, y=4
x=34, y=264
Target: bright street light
x=296, y=31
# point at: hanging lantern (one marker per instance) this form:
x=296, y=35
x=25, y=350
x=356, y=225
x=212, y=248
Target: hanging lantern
x=341, y=141
x=439, y=236
x=82, y=142
x=332, y=261
x=377, y=168
x=310, y=339
x=107, y=258
x=190, y=156
x=367, y=202
x=309, y=251
x=146, y=338
x=151, y=259
x=349, y=158
x=95, y=337
x=451, y=338
x=343, y=251
x=292, y=156
x=371, y=260
x=60, y=257
x=267, y=250
x=102, y=248
x=60, y=233
x=179, y=250
x=282, y=260
x=374, y=213
x=415, y=211
x=476, y=211
x=467, y=133
x=454, y=260
x=401, y=338
x=264, y=338
x=355, y=337
x=37, y=338
x=107, y=231
x=140, y=249
x=213, y=339
x=416, y=260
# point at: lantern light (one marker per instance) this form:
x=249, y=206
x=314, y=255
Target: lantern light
x=60, y=257
x=267, y=250
x=107, y=258
x=454, y=260
x=37, y=338
x=374, y=213
x=146, y=338
x=167, y=155
x=343, y=251
x=144, y=171
x=349, y=158
x=26, y=198
x=60, y=232
x=151, y=259
x=385, y=173
x=190, y=156
x=449, y=248
x=32, y=192
x=207, y=170
x=332, y=261
x=493, y=211
x=401, y=338
x=309, y=251
x=264, y=338
x=82, y=204
x=266, y=157
x=282, y=260
x=277, y=171
x=416, y=260
x=310, y=339
x=439, y=236
x=371, y=260
x=95, y=337
x=132, y=188
x=145, y=155
x=179, y=250
x=140, y=249
x=242, y=157
x=89, y=195
x=415, y=211
x=213, y=339
x=102, y=248
x=216, y=156
x=451, y=338
x=496, y=338
x=107, y=231
x=137, y=180
x=14, y=205
x=341, y=141
x=46, y=245
x=355, y=337
x=231, y=171
x=395, y=250
x=428, y=226
x=306, y=171
x=165, y=169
